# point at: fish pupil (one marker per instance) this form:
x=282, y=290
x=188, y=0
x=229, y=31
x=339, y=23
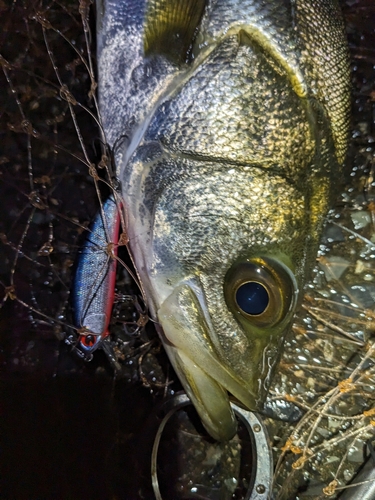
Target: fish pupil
x=252, y=298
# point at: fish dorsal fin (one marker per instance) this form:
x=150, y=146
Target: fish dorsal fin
x=170, y=27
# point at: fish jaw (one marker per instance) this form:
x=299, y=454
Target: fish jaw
x=187, y=339
x=193, y=348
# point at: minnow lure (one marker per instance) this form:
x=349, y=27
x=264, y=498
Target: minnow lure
x=94, y=284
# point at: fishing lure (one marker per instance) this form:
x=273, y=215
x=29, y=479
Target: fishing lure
x=94, y=284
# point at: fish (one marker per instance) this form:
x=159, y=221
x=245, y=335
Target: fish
x=229, y=125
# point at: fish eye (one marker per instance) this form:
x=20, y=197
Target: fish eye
x=261, y=291
x=252, y=298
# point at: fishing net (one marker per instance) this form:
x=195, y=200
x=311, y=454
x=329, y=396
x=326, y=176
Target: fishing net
x=76, y=429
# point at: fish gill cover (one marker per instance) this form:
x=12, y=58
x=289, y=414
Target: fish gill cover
x=73, y=429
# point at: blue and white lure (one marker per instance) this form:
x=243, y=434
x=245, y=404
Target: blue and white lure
x=94, y=283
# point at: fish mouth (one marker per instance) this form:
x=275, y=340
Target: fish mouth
x=205, y=377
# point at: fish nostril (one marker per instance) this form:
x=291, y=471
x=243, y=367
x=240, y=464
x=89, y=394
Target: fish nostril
x=252, y=297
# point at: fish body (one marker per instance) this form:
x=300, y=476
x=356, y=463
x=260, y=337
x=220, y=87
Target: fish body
x=229, y=122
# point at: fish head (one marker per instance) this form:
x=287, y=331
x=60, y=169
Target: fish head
x=226, y=186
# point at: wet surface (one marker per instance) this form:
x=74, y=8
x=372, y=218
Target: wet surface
x=72, y=429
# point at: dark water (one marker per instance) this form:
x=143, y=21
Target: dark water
x=71, y=429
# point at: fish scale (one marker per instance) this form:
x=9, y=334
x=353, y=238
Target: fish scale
x=232, y=121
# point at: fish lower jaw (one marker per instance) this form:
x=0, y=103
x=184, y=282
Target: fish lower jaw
x=210, y=399
x=205, y=377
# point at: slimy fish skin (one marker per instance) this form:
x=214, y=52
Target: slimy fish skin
x=229, y=124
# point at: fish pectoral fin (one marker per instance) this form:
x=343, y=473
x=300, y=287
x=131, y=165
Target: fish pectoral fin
x=171, y=26
x=204, y=375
